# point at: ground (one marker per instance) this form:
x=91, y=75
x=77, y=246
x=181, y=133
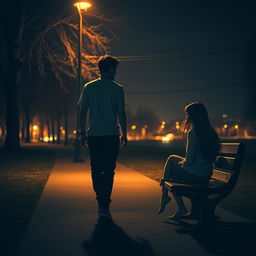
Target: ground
x=23, y=176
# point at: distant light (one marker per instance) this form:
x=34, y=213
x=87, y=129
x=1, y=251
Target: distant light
x=163, y=122
x=51, y=138
x=46, y=139
x=83, y=6
x=177, y=123
x=74, y=131
x=61, y=127
x=225, y=126
x=35, y=127
x=133, y=127
x=162, y=126
x=236, y=126
x=145, y=126
x=63, y=131
x=224, y=115
x=167, y=138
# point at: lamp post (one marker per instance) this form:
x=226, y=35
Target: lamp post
x=81, y=7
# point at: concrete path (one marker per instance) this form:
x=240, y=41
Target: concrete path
x=65, y=221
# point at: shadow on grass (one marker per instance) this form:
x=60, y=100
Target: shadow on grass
x=222, y=238
x=110, y=239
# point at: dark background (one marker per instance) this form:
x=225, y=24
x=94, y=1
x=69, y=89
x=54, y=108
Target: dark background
x=215, y=37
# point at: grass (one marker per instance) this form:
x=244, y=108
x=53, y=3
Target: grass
x=22, y=179
x=149, y=159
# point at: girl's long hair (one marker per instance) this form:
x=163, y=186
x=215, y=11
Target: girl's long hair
x=197, y=119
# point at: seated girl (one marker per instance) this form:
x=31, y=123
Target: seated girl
x=202, y=147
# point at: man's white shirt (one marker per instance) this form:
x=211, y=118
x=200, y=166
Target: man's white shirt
x=104, y=99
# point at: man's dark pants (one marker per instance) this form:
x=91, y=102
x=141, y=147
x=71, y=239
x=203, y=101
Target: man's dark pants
x=103, y=151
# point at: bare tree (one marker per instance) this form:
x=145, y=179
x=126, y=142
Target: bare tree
x=52, y=47
x=57, y=46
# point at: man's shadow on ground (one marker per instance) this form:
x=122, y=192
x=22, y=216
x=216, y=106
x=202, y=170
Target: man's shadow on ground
x=109, y=239
x=222, y=238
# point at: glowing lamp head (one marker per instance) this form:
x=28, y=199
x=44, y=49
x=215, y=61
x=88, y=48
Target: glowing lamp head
x=83, y=6
x=35, y=127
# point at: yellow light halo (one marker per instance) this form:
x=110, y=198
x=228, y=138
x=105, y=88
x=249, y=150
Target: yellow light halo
x=83, y=6
x=35, y=127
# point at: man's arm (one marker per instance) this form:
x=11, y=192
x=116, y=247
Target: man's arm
x=122, y=117
x=83, y=111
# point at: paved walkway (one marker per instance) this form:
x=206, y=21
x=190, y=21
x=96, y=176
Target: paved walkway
x=65, y=221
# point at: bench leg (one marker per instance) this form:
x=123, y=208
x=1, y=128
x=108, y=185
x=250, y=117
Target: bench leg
x=206, y=210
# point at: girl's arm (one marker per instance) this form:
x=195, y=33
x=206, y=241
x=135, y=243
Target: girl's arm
x=190, y=149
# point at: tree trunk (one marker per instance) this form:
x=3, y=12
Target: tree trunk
x=66, y=126
x=2, y=133
x=27, y=124
x=58, y=128
x=23, y=128
x=41, y=132
x=53, y=131
x=12, y=140
x=13, y=32
x=48, y=127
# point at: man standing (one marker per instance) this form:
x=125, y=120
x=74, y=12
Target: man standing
x=103, y=99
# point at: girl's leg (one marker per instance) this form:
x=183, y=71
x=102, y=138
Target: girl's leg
x=182, y=210
x=169, y=166
x=167, y=175
x=181, y=176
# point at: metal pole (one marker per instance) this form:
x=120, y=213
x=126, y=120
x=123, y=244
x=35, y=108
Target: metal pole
x=78, y=156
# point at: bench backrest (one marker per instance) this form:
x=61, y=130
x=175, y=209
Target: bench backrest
x=228, y=163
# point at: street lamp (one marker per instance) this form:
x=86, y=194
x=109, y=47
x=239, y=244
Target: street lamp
x=81, y=7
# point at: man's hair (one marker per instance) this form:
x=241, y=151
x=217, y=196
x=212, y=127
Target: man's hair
x=106, y=62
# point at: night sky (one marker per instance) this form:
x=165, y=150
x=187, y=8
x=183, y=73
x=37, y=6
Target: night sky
x=189, y=45
x=211, y=41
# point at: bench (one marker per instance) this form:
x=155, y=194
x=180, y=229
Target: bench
x=204, y=198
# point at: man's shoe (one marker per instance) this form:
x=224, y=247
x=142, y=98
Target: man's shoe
x=104, y=212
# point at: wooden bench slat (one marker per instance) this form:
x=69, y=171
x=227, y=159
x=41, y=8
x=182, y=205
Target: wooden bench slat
x=221, y=175
x=229, y=148
x=225, y=163
x=211, y=186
